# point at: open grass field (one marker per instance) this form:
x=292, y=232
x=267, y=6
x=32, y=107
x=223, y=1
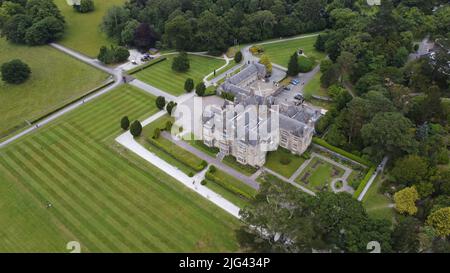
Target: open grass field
x=313, y=87
x=163, y=77
x=83, y=29
x=280, y=52
x=273, y=162
x=102, y=195
x=376, y=204
x=53, y=83
x=318, y=174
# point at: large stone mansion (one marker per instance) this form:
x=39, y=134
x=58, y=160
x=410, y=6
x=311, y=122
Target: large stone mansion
x=247, y=131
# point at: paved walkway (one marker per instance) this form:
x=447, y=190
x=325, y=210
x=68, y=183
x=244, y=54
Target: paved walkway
x=211, y=160
x=152, y=90
x=379, y=170
x=116, y=74
x=347, y=171
x=308, y=191
x=192, y=183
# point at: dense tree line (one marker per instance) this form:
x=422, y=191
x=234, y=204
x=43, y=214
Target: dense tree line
x=385, y=104
x=32, y=22
x=213, y=25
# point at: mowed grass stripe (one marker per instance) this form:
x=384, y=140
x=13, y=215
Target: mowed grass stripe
x=69, y=192
x=99, y=130
x=36, y=184
x=163, y=77
x=135, y=179
x=104, y=126
x=111, y=103
x=34, y=210
x=105, y=114
x=125, y=198
x=93, y=193
x=159, y=214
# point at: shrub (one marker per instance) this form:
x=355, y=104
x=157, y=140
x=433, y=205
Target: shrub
x=203, y=183
x=136, y=128
x=114, y=54
x=189, y=85
x=86, y=6
x=405, y=200
x=440, y=221
x=305, y=64
x=44, y=31
x=285, y=160
x=168, y=126
x=200, y=89
x=364, y=182
x=191, y=174
x=238, y=57
x=170, y=106
x=160, y=102
x=351, y=156
x=204, y=163
x=125, y=123
x=181, y=63
x=212, y=169
x=15, y=72
x=156, y=133
x=227, y=96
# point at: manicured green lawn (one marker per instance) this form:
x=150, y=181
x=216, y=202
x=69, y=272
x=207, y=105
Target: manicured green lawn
x=102, y=195
x=83, y=29
x=245, y=169
x=273, y=162
x=313, y=87
x=280, y=53
x=377, y=204
x=230, y=196
x=230, y=65
x=55, y=80
x=163, y=77
x=318, y=174
x=230, y=182
x=182, y=159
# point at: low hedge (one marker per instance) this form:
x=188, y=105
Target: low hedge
x=221, y=181
x=196, y=167
x=146, y=65
x=351, y=156
x=364, y=182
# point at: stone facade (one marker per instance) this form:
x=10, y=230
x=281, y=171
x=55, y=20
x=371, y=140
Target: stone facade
x=258, y=132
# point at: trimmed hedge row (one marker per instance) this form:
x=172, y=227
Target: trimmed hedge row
x=196, y=167
x=351, y=156
x=90, y=92
x=364, y=182
x=146, y=65
x=221, y=181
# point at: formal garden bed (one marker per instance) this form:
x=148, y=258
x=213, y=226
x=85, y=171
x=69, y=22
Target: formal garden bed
x=230, y=183
x=283, y=162
x=165, y=149
x=318, y=175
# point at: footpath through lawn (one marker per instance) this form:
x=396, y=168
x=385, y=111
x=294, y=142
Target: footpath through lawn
x=83, y=29
x=56, y=79
x=163, y=77
x=102, y=195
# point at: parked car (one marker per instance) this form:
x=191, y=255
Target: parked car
x=295, y=82
x=287, y=88
x=299, y=97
